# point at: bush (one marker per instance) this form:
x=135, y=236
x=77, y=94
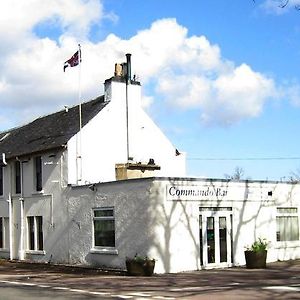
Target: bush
x=258, y=246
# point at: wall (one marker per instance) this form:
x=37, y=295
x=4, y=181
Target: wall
x=176, y=219
x=132, y=222
x=46, y=203
x=150, y=219
x=151, y=222
x=104, y=139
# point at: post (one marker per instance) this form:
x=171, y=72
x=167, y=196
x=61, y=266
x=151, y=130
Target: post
x=128, y=80
x=78, y=141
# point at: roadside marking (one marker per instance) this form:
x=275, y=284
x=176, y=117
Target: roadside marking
x=77, y=290
x=60, y=288
x=283, y=288
x=43, y=286
x=139, y=294
x=122, y=296
x=99, y=293
x=126, y=296
x=189, y=289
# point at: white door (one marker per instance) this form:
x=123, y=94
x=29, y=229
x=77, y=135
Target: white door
x=215, y=238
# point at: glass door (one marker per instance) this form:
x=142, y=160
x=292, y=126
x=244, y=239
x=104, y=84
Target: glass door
x=215, y=238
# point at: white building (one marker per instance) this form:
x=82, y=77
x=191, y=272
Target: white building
x=116, y=188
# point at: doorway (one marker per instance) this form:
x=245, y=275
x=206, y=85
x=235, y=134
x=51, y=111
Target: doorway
x=215, y=229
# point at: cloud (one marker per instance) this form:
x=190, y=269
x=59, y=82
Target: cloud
x=188, y=72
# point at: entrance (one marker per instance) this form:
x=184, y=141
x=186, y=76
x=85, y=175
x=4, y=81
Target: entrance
x=215, y=236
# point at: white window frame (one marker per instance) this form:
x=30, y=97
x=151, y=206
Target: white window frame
x=104, y=249
x=19, y=186
x=36, y=190
x=283, y=212
x=36, y=235
x=2, y=181
x=5, y=233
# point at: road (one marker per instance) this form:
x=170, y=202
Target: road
x=37, y=281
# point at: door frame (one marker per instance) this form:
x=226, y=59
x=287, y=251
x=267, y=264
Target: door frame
x=216, y=213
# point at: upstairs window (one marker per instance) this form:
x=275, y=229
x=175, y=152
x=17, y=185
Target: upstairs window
x=1, y=181
x=104, y=227
x=287, y=223
x=18, y=177
x=38, y=173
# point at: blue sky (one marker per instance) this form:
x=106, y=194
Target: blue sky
x=221, y=78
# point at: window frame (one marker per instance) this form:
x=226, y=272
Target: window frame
x=4, y=233
x=287, y=213
x=104, y=218
x=1, y=181
x=18, y=177
x=38, y=173
x=35, y=234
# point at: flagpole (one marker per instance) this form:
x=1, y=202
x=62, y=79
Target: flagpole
x=79, y=143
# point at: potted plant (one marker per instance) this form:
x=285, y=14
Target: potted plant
x=256, y=254
x=140, y=266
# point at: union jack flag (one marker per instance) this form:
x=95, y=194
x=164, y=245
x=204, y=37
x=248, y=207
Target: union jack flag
x=74, y=60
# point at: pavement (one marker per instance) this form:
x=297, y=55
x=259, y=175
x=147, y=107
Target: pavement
x=280, y=280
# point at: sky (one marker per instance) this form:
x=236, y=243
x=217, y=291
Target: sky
x=220, y=78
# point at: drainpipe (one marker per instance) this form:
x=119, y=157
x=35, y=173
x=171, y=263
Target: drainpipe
x=10, y=215
x=21, y=249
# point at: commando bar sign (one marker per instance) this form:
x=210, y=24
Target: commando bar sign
x=195, y=192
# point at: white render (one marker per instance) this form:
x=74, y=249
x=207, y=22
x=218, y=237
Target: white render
x=104, y=139
x=150, y=221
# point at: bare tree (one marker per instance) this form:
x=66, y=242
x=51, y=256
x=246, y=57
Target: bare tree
x=238, y=174
x=284, y=3
x=295, y=176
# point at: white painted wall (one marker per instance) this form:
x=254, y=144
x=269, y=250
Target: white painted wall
x=46, y=203
x=149, y=222
x=104, y=139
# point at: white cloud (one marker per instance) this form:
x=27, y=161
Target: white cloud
x=19, y=17
x=188, y=71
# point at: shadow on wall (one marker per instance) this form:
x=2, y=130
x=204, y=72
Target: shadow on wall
x=168, y=215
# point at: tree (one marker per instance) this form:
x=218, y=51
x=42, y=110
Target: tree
x=285, y=3
x=295, y=176
x=238, y=174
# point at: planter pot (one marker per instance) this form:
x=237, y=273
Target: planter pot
x=256, y=260
x=140, y=267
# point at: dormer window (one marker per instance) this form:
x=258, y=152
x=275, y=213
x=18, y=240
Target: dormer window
x=38, y=174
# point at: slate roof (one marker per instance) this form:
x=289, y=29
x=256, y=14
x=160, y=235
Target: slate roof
x=49, y=132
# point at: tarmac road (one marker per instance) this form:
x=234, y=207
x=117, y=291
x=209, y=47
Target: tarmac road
x=280, y=280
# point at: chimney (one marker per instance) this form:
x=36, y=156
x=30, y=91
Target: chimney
x=118, y=70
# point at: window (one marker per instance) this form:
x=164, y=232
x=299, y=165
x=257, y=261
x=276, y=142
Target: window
x=4, y=233
x=287, y=224
x=18, y=177
x=35, y=233
x=38, y=173
x=1, y=180
x=104, y=227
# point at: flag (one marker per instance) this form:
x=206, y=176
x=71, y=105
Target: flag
x=74, y=60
